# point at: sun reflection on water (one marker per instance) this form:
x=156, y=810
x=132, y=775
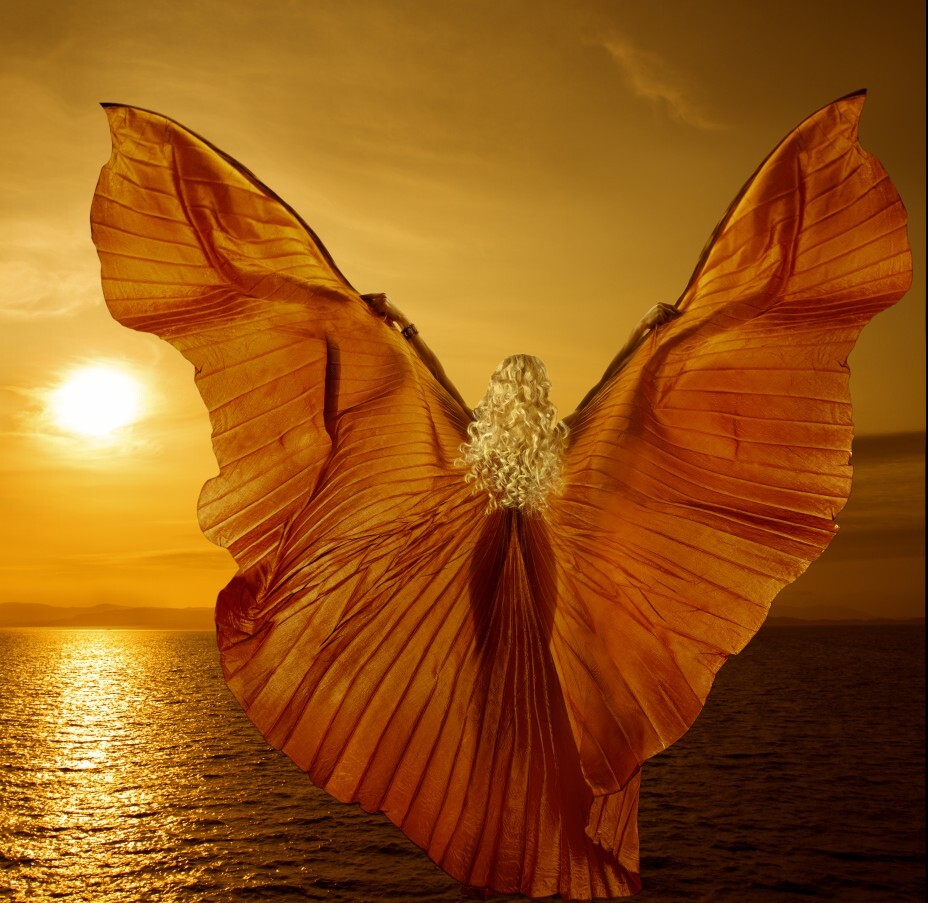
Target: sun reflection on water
x=128, y=773
x=90, y=756
x=91, y=707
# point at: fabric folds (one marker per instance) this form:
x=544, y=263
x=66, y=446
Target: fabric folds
x=493, y=683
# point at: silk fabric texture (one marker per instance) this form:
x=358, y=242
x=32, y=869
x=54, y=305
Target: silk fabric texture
x=494, y=682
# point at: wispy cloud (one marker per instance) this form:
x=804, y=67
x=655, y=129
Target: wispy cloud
x=655, y=80
x=207, y=557
x=47, y=273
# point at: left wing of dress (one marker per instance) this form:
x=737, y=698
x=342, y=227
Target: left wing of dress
x=194, y=249
x=382, y=631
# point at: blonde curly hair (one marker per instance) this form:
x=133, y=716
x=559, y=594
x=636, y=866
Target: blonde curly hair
x=516, y=443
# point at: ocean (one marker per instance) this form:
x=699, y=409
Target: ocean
x=129, y=773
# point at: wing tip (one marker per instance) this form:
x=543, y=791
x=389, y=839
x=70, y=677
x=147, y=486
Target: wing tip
x=845, y=113
x=851, y=103
x=113, y=112
x=853, y=95
x=855, y=99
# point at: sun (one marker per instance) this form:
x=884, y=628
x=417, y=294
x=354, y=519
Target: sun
x=96, y=401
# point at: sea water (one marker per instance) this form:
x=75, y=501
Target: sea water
x=129, y=773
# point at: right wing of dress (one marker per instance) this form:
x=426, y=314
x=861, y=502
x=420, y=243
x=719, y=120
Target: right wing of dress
x=708, y=473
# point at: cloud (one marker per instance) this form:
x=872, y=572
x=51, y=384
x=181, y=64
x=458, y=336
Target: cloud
x=653, y=79
x=45, y=273
x=208, y=557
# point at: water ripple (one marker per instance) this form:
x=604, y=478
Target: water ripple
x=128, y=773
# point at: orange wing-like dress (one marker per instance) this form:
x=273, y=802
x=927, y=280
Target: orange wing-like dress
x=493, y=683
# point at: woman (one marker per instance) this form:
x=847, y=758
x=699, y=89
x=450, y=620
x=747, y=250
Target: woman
x=494, y=682
x=516, y=442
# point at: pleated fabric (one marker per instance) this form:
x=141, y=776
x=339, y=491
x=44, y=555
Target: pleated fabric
x=708, y=473
x=493, y=683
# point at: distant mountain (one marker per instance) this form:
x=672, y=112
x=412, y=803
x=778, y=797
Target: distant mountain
x=830, y=614
x=840, y=622
x=31, y=614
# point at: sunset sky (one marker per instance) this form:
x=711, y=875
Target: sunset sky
x=518, y=176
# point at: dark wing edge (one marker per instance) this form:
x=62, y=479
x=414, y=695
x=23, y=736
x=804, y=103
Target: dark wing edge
x=246, y=174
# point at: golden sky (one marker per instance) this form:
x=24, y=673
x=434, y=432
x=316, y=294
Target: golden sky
x=519, y=175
